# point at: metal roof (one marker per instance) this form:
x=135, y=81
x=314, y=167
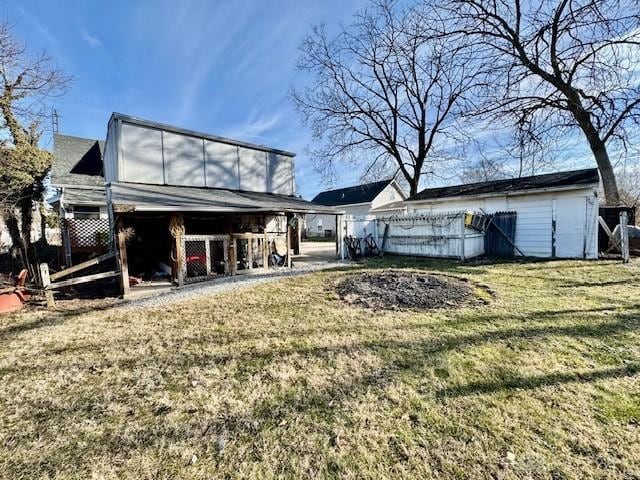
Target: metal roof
x=585, y=177
x=77, y=161
x=144, y=197
x=193, y=133
x=351, y=195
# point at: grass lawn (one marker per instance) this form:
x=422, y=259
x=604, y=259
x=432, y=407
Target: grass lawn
x=284, y=380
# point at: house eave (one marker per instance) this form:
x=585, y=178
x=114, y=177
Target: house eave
x=591, y=186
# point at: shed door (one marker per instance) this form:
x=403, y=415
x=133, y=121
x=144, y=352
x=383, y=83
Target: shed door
x=570, y=226
x=533, y=224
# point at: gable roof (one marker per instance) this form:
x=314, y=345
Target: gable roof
x=77, y=161
x=587, y=176
x=351, y=195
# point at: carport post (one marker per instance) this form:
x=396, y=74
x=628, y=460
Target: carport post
x=624, y=237
x=122, y=257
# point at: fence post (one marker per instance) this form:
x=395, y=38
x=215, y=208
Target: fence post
x=46, y=281
x=624, y=237
x=462, y=232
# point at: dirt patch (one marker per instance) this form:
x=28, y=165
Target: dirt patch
x=395, y=290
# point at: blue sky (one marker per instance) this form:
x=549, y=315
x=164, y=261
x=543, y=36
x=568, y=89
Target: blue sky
x=223, y=67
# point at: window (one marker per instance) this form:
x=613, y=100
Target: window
x=81, y=212
x=319, y=224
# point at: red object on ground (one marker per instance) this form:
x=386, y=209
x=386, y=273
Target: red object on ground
x=134, y=281
x=11, y=301
x=13, y=298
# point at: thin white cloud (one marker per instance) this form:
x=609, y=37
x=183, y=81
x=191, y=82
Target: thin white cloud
x=91, y=40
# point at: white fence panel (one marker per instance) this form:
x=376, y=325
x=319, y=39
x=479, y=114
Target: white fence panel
x=441, y=234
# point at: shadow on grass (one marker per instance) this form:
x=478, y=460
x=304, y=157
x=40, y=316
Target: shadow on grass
x=51, y=318
x=530, y=383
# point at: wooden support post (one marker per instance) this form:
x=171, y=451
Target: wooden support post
x=624, y=237
x=44, y=277
x=289, y=250
x=122, y=257
x=265, y=252
x=207, y=255
x=299, y=225
x=337, y=235
x=385, y=238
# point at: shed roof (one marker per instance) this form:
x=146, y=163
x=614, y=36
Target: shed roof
x=192, y=133
x=143, y=197
x=351, y=195
x=585, y=177
x=77, y=161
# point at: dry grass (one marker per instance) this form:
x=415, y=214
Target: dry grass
x=285, y=380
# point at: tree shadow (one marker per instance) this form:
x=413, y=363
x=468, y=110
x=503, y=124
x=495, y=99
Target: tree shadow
x=530, y=383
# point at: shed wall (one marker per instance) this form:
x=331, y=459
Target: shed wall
x=575, y=212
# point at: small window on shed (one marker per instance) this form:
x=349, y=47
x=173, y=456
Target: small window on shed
x=319, y=224
x=81, y=212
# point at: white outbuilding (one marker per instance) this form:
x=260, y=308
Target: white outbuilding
x=557, y=213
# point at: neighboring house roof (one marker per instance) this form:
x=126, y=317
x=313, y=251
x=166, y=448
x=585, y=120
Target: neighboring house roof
x=193, y=133
x=77, y=161
x=143, y=197
x=351, y=195
x=585, y=177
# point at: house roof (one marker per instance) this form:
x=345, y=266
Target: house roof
x=77, y=161
x=193, y=133
x=351, y=195
x=587, y=176
x=143, y=197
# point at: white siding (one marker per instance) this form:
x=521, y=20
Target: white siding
x=146, y=154
x=389, y=194
x=141, y=155
x=222, y=165
x=280, y=174
x=253, y=170
x=533, y=224
x=183, y=160
x=576, y=219
x=110, y=157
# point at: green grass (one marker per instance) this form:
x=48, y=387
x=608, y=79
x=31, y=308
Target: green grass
x=284, y=380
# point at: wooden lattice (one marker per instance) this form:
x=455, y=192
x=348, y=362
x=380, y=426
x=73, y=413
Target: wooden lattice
x=86, y=232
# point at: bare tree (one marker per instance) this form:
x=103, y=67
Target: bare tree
x=385, y=94
x=558, y=65
x=26, y=83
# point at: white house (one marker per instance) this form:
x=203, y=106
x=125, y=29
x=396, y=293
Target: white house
x=359, y=200
x=557, y=213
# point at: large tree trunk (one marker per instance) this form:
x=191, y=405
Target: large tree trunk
x=611, y=194
x=599, y=149
x=17, y=246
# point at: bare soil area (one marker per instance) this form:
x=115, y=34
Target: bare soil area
x=395, y=290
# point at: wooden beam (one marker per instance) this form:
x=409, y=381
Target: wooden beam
x=610, y=234
x=79, y=280
x=289, y=252
x=122, y=258
x=46, y=282
x=624, y=237
x=82, y=266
